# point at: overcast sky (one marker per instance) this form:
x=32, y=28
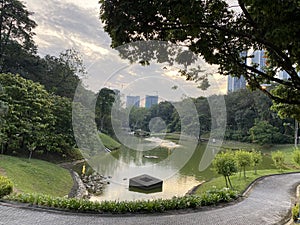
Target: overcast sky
x=75, y=24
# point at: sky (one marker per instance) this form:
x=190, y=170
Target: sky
x=75, y=24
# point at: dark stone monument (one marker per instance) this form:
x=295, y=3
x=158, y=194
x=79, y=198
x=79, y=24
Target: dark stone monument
x=145, y=183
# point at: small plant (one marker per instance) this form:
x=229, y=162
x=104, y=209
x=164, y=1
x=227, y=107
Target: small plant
x=278, y=159
x=159, y=205
x=6, y=186
x=296, y=156
x=295, y=212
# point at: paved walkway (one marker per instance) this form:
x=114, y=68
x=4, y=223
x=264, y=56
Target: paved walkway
x=269, y=202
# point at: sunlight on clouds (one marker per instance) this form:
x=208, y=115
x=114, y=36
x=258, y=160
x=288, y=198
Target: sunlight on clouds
x=76, y=24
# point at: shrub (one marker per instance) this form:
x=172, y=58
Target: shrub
x=212, y=197
x=278, y=159
x=6, y=186
x=295, y=212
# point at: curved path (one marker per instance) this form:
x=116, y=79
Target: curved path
x=269, y=202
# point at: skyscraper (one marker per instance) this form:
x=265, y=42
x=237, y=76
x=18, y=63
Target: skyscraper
x=133, y=101
x=259, y=59
x=235, y=83
x=151, y=100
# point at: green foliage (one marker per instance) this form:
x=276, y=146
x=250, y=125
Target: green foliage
x=6, y=186
x=105, y=100
x=211, y=197
x=36, y=121
x=16, y=34
x=60, y=75
x=278, y=159
x=225, y=164
x=108, y=142
x=256, y=159
x=286, y=110
x=36, y=176
x=243, y=159
x=264, y=133
x=214, y=31
x=295, y=212
x=296, y=156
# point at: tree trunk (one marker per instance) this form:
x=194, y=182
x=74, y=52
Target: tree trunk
x=30, y=155
x=226, y=181
x=230, y=182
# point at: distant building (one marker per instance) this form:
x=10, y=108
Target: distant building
x=151, y=100
x=235, y=83
x=259, y=59
x=133, y=101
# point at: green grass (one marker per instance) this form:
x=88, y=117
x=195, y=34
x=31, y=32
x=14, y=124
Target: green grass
x=108, y=142
x=36, y=176
x=239, y=183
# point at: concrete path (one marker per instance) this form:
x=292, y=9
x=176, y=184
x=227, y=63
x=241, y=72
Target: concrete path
x=269, y=202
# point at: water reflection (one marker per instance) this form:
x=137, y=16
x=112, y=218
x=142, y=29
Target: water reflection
x=126, y=163
x=178, y=179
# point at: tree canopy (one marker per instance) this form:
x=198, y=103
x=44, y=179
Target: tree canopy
x=16, y=32
x=218, y=32
x=36, y=120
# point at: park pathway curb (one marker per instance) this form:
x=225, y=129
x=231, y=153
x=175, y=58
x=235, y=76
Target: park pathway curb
x=268, y=201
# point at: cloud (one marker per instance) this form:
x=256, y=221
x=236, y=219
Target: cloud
x=75, y=24
x=67, y=25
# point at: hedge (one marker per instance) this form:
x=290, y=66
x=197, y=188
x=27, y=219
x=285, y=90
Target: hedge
x=211, y=197
x=6, y=186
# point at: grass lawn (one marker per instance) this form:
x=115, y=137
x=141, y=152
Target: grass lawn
x=239, y=183
x=108, y=142
x=36, y=176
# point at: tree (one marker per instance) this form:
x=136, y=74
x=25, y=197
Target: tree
x=256, y=159
x=225, y=165
x=36, y=120
x=216, y=31
x=105, y=100
x=60, y=75
x=278, y=159
x=264, y=133
x=243, y=159
x=29, y=115
x=16, y=33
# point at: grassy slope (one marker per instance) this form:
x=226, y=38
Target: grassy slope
x=36, y=176
x=239, y=182
x=108, y=142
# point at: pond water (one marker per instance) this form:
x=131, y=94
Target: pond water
x=177, y=164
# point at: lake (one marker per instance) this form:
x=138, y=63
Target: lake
x=177, y=166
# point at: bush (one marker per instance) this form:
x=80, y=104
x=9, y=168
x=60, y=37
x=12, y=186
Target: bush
x=6, y=186
x=212, y=197
x=295, y=212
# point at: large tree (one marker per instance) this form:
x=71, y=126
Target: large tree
x=16, y=33
x=35, y=120
x=219, y=33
